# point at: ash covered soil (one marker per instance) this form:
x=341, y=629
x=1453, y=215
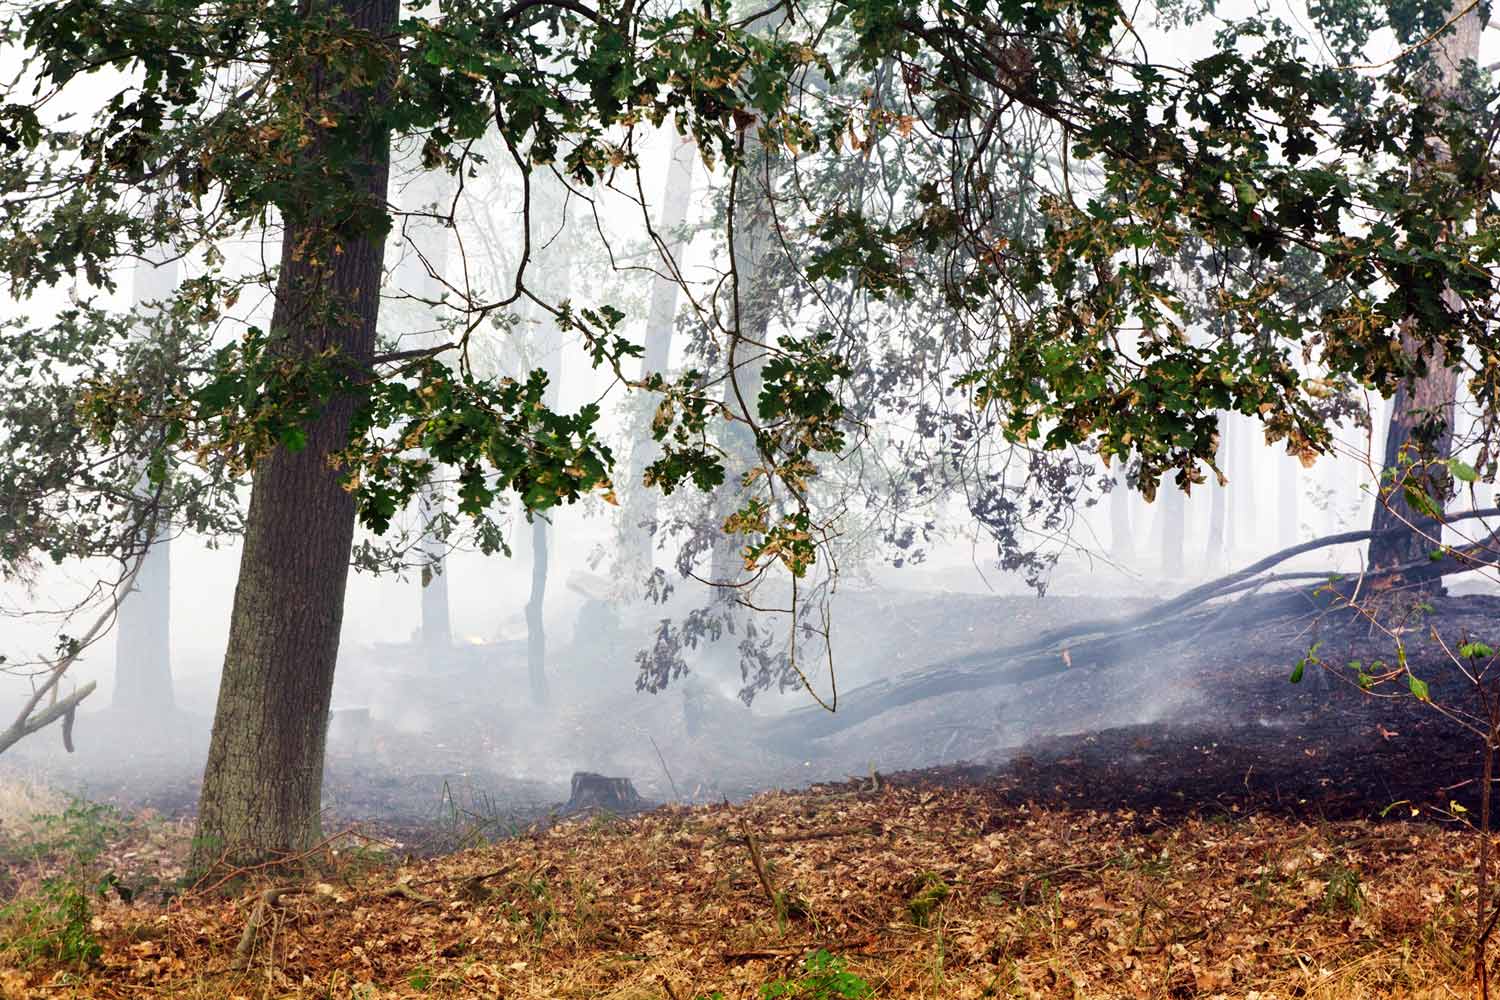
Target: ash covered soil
x=1203, y=723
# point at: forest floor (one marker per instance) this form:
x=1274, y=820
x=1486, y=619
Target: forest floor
x=1186, y=823
x=919, y=885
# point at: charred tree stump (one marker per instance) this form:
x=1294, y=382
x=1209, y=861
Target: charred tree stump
x=596, y=792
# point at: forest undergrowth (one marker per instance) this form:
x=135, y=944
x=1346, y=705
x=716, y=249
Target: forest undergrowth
x=869, y=888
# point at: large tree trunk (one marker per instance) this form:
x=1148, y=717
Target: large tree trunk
x=143, y=650
x=262, y=785
x=1421, y=424
x=640, y=510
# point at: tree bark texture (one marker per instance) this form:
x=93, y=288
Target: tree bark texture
x=262, y=785
x=143, y=629
x=1421, y=424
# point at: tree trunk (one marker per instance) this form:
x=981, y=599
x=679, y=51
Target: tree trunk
x=1121, y=542
x=549, y=215
x=431, y=192
x=749, y=311
x=536, y=628
x=1218, y=510
x=262, y=785
x=437, y=620
x=1421, y=424
x=1289, y=512
x=143, y=649
x=1172, y=521
x=640, y=511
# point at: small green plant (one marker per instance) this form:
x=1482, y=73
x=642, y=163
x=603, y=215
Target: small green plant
x=824, y=977
x=1342, y=893
x=420, y=978
x=929, y=894
x=54, y=924
x=80, y=833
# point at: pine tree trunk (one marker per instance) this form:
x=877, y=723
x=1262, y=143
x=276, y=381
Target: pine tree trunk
x=1421, y=424
x=143, y=648
x=262, y=785
x=640, y=511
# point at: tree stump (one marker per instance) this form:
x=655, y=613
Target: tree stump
x=595, y=791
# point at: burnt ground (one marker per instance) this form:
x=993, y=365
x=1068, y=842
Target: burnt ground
x=1232, y=735
x=1203, y=724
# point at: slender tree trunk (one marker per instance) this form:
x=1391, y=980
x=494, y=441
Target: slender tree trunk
x=640, y=510
x=1421, y=424
x=536, y=627
x=143, y=647
x=750, y=320
x=1173, y=523
x=1121, y=541
x=550, y=215
x=1218, y=510
x=262, y=785
x=437, y=619
x=1289, y=487
x=431, y=192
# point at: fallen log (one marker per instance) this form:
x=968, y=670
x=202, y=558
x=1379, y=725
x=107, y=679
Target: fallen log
x=1100, y=643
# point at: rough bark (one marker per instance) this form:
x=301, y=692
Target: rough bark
x=596, y=792
x=640, y=511
x=1421, y=422
x=262, y=785
x=143, y=652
